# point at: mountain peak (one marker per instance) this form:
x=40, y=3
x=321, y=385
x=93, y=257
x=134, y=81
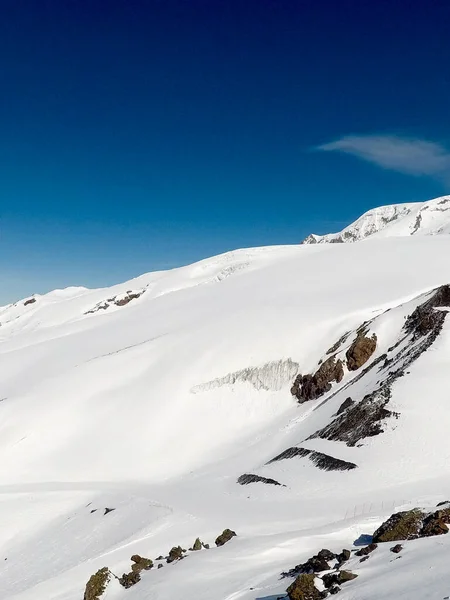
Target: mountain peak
x=396, y=220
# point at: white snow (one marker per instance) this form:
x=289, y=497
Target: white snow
x=418, y=218
x=155, y=408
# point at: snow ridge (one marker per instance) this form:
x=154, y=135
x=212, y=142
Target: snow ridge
x=419, y=218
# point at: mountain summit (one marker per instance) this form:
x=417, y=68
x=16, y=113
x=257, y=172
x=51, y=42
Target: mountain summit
x=396, y=220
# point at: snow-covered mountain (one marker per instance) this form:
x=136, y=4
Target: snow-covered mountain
x=418, y=218
x=297, y=395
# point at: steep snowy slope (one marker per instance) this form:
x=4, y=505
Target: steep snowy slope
x=154, y=397
x=420, y=218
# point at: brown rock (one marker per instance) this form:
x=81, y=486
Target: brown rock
x=360, y=351
x=310, y=387
x=96, y=585
x=303, y=588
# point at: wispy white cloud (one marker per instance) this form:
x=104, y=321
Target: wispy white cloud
x=410, y=156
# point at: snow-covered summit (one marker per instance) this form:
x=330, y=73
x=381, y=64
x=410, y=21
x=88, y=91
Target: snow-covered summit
x=396, y=220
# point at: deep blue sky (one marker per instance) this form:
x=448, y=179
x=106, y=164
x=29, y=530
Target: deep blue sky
x=137, y=135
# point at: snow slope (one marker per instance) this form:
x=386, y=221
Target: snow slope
x=419, y=218
x=154, y=396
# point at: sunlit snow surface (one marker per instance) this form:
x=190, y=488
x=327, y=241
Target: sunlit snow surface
x=116, y=409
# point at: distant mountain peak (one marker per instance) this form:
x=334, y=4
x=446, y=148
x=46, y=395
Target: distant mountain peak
x=396, y=220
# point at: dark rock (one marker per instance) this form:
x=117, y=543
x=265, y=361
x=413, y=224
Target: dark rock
x=320, y=460
x=338, y=344
x=396, y=549
x=326, y=554
x=160, y=566
x=310, y=387
x=433, y=525
x=367, y=550
x=251, y=478
x=108, y=510
x=160, y=558
x=425, y=319
x=343, y=557
x=129, y=579
x=361, y=420
x=303, y=588
x=364, y=558
x=334, y=589
x=30, y=301
x=317, y=563
x=96, y=585
x=175, y=554
x=360, y=351
x=346, y=404
x=205, y=546
x=400, y=526
x=443, y=503
x=128, y=298
x=225, y=537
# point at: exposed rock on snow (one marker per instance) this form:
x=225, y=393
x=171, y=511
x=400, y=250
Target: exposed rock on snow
x=310, y=387
x=320, y=460
x=251, y=478
x=120, y=300
x=360, y=351
x=176, y=553
x=420, y=218
x=140, y=563
x=303, y=588
x=412, y=524
x=272, y=376
x=225, y=537
x=322, y=561
x=364, y=419
x=96, y=586
x=366, y=550
x=129, y=579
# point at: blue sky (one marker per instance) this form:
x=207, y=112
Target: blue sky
x=145, y=134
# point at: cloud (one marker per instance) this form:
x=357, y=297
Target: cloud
x=410, y=156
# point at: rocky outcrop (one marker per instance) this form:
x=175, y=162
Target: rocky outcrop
x=396, y=549
x=303, y=588
x=96, y=586
x=320, y=460
x=176, y=553
x=129, y=579
x=310, y=387
x=366, y=550
x=413, y=524
x=225, y=537
x=197, y=545
x=346, y=404
x=361, y=420
x=140, y=563
x=322, y=561
x=338, y=578
x=251, y=478
x=360, y=351
x=29, y=301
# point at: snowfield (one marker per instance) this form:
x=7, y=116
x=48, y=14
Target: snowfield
x=154, y=396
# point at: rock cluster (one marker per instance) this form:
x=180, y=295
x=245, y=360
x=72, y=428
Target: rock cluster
x=413, y=524
x=304, y=587
x=310, y=387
